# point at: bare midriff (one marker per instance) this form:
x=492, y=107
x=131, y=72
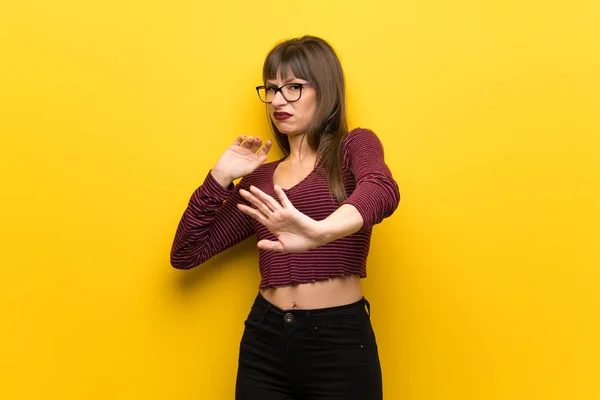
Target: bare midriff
x=334, y=292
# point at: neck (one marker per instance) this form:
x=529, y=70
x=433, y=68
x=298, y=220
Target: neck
x=300, y=151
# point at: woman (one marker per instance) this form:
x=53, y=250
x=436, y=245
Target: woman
x=308, y=334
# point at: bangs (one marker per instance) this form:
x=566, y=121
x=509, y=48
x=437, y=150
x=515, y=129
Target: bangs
x=288, y=61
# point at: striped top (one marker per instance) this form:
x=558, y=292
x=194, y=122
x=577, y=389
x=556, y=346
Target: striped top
x=212, y=222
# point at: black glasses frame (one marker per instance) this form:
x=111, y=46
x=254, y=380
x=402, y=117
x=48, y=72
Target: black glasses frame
x=279, y=89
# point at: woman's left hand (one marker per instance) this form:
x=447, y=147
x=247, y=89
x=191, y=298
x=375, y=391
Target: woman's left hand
x=296, y=232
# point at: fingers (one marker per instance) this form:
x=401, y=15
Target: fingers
x=282, y=196
x=254, y=143
x=263, y=202
x=265, y=149
x=248, y=142
x=252, y=212
x=239, y=140
x=265, y=198
x=264, y=207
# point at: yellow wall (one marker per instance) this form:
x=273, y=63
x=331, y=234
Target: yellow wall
x=483, y=283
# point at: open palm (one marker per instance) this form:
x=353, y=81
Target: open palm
x=242, y=158
x=295, y=232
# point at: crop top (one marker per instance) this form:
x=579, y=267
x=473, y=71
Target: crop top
x=212, y=222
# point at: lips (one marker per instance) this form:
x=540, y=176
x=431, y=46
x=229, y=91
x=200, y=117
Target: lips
x=280, y=116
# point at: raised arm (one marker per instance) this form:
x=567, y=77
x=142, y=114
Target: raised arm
x=211, y=222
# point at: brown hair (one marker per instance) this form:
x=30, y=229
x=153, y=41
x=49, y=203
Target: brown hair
x=314, y=60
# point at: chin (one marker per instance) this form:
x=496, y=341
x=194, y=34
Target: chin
x=284, y=130
x=289, y=133
x=287, y=130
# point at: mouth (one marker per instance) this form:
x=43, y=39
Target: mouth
x=280, y=116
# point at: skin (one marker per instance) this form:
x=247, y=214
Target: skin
x=295, y=232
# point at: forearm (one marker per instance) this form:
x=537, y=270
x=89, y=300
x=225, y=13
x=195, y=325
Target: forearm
x=208, y=225
x=344, y=221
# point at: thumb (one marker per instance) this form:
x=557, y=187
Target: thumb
x=254, y=164
x=270, y=245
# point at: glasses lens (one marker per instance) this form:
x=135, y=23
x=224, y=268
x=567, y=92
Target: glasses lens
x=263, y=94
x=292, y=91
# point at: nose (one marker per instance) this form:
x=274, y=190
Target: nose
x=278, y=99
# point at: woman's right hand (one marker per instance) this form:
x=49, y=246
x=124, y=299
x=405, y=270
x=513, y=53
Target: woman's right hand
x=240, y=159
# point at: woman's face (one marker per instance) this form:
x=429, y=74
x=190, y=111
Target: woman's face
x=292, y=118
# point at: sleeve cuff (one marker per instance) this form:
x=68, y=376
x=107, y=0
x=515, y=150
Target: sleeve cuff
x=213, y=189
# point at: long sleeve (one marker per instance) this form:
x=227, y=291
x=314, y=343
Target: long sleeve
x=376, y=195
x=211, y=224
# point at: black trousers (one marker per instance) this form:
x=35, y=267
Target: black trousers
x=324, y=354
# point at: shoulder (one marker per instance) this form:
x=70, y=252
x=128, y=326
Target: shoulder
x=360, y=138
x=359, y=134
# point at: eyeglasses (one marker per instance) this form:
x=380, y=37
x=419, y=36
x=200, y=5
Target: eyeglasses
x=291, y=92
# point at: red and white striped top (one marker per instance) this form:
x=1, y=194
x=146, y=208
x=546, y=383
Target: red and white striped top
x=212, y=223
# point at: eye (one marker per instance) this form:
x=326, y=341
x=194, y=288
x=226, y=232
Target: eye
x=270, y=90
x=295, y=87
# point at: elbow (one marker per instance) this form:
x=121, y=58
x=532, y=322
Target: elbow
x=396, y=197
x=181, y=265
x=178, y=261
x=189, y=255
x=392, y=198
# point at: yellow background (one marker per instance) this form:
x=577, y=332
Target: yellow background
x=483, y=284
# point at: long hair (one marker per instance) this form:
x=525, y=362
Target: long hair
x=313, y=59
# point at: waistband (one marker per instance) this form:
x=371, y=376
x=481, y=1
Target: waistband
x=265, y=308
